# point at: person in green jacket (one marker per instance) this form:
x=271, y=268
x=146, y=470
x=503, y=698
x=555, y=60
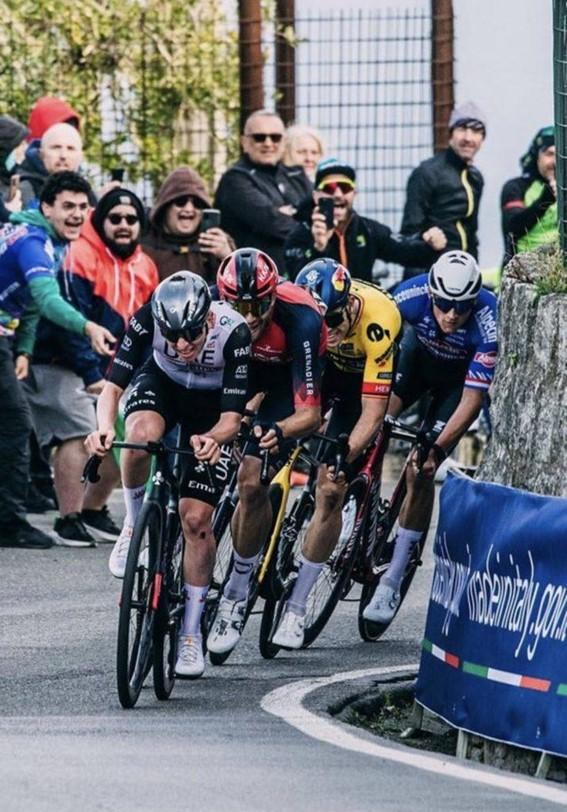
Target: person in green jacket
x=31, y=248
x=529, y=202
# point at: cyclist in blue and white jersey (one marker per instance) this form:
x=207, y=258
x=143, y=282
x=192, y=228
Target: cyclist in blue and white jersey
x=449, y=352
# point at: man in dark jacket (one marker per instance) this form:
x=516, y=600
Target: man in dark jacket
x=445, y=190
x=354, y=241
x=529, y=203
x=175, y=241
x=60, y=150
x=259, y=196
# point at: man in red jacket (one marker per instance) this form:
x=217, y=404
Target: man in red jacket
x=106, y=273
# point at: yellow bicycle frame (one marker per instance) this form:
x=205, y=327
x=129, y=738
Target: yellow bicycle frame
x=281, y=480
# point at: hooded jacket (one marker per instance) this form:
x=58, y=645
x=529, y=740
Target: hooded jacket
x=33, y=174
x=48, y=111
x=173, y=253
x=107, y=290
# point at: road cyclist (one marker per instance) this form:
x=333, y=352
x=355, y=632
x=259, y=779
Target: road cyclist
x=195, y=376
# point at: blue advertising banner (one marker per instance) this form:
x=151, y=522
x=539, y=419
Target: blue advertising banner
x=494, y=658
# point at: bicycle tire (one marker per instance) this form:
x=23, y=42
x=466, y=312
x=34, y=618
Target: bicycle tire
x=335, y=578
x=136, y=617
x=223, y=564
x=168, y=620
x=292, y=533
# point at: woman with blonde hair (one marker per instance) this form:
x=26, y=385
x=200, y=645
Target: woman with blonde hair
x=303, y=147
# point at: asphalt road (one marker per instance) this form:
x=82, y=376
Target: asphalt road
x=65, y=743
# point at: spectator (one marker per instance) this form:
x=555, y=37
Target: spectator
x=303, y=146
x=529, y=203
x=60, y=150
x=13, y=136
x=30, y=248
x=107, y=277
x=445, y=190
x=354, y=241
x=175, y=241
x=47, y=111
x=259, y=195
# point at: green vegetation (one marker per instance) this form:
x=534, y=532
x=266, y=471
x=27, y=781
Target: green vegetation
x=553, y=273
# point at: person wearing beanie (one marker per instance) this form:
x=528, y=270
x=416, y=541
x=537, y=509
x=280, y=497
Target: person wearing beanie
x=354, y=241
x=259, y=195
x=106, y=276
x=529, y=202
x=175, y=240
x=445, y=190
x=13, y=136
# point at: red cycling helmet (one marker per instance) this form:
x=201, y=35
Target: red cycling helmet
x=247, y=275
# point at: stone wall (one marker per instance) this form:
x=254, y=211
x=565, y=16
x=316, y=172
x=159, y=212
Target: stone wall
x=528, y=448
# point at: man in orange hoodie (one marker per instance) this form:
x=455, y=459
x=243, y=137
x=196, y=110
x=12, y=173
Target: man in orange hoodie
x=106, y=273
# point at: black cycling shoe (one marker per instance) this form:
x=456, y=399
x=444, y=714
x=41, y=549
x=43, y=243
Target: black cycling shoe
x=36, y=502
x=71, y=532
x=101, y=523
x=25, y=536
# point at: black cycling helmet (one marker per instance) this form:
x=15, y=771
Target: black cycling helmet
x=180, y=306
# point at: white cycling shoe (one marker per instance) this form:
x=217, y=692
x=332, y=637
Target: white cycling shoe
x=190, y=662
x=119, y=554
x=290, y=632
x=383, y=605
x=227, y=627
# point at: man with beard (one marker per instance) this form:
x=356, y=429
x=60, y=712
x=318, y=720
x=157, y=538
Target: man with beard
x=106, y=276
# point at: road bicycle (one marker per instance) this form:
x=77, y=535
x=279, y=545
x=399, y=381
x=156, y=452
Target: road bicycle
x=364, y=549
x=152, y=599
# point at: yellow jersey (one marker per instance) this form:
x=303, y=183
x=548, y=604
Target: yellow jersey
x=368, y=348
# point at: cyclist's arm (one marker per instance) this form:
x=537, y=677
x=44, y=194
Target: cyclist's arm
x=466, y=412
x=107, y=407
x=133, y=348
x=368, y=424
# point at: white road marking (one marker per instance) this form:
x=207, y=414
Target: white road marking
x=287, y=703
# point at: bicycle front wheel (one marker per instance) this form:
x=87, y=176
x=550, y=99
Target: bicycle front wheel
x=170, y=610
x=137, y=612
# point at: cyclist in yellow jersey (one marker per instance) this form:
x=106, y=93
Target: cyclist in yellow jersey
x=363, y=323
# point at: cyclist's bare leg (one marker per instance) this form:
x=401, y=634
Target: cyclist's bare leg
x=325, y=526
x=200, y=547
x=251, y=521
x=141, y=427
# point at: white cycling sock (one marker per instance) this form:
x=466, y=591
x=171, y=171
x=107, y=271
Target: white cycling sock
x=133, y=499
x=404, y=544
x=195, y=597
x=242, y=569
x=306, y=577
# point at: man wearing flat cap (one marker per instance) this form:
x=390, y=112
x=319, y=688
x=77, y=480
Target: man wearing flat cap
x=445, y=190
x=354, y=241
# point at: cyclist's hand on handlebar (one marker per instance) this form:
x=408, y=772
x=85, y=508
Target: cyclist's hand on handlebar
x=332, y=476
x=429, y=465
x=269, y=437
x=206, y=448
x=98, y=442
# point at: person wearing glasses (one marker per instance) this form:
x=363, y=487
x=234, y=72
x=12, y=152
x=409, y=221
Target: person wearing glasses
x=176, y=240
x=107, y=277
x=363, y=323
x=449, y=352
x=186, y=359
x=288, y=347
x=259, y=195
x=342, y=234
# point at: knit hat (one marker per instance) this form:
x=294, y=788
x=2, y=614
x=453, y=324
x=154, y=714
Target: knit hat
x=117, y=197
x=12, y=133
x=543, y=139
x=48, y=111
x=332, y=166
x=468, y=115
x=182, y=181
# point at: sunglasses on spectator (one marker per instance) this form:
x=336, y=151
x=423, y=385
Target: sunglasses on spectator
x=446, y=305
x=334, y=318
x=189, y=334
x=331, y=187
x=257, y=307
x=182, y=201
x=259, y=138
x=116, y=218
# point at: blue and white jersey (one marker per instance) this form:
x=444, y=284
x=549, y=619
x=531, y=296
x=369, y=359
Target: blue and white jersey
x=475, y=342
x=26, y=252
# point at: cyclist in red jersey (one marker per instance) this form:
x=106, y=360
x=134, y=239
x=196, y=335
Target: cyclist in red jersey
x=288, y=347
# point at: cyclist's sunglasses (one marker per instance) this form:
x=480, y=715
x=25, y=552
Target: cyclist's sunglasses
x=189, y=334
x=331, y=187
x=446, y=305
x=257, y=307
x=259, y=138
x=116, y=218
x=334, y=318
x=182, y=201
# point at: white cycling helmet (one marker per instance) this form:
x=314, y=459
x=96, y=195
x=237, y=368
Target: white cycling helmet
x=455, y=276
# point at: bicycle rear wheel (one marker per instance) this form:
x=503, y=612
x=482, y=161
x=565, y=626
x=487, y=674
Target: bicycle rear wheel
x=168, y=620
x=334, y=581
x=137, y=610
